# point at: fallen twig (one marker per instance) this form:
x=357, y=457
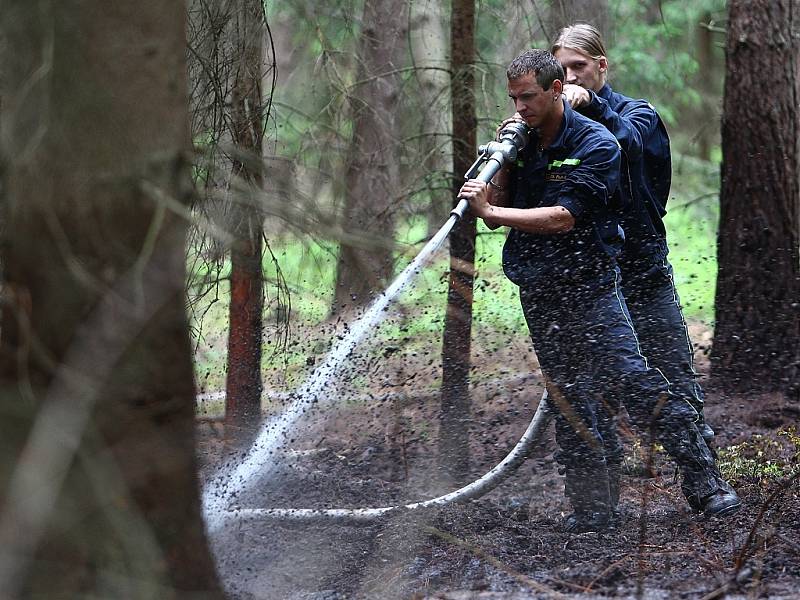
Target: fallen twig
x=742, y=574
x=742, y=555
x=496, y=563
x=788, y=542
x=607, y=570
x=640, y=563
x=733, y=583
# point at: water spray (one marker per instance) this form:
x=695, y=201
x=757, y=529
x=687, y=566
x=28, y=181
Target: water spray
x=221, y=490
x=476, y=489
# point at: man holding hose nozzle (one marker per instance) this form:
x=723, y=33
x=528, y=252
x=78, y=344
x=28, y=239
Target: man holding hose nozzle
x=559, y=199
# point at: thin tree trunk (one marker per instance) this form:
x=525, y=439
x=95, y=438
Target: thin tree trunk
x=98, y=475
x=243, y=383
x=455, y=409
x=705, y=62
x=429, y=51
x=371, y=179
x=567, y=12
x=757, y=334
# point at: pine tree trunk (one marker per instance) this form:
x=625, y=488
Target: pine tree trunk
x=98, y=484
x=371, y=181
x=757, y=334
x=243, y=382
x=429, y=48
x=455, y=409
x=567, y=12
x=705, y=63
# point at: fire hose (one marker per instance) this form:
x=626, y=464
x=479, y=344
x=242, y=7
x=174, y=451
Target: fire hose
x=491, y=157
x=480, y=487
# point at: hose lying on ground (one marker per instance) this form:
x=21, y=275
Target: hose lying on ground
x=541, y=419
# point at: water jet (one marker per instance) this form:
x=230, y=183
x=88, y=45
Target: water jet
x=223, y=488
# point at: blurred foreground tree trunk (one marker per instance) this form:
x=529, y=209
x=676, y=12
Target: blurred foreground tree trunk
x=757, y=333
x=365, y=261
x=243, y=381
x=456, y=343
x=99, y=494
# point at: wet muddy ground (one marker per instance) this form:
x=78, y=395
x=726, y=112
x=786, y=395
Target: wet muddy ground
x=509, y=544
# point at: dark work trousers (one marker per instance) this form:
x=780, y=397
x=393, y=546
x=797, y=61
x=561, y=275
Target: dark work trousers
x=589, y=353
x=649, y=289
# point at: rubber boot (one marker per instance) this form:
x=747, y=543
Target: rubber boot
x=703, y=486
x=588, y=492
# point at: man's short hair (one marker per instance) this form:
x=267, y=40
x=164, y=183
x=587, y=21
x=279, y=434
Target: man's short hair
x=544, y=66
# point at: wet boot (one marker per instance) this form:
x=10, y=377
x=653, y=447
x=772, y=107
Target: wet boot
x=588, y=492
x=703, y=486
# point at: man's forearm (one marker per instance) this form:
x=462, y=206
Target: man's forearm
x=498, y=193
x=545, y=220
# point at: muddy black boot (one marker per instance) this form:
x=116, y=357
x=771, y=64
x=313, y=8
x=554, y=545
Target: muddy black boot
x=588, y=492
x=703, y=486
x=720, y=501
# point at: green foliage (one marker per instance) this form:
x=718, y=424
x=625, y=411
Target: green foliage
x=652, y=54
x=792, y=436
x=310, y=111
x=496, y=306
x=309, y=268
x=762, y=458
x=691, y=221
x=652, y=49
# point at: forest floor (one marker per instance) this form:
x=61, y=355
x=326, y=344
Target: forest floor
x=509, y=543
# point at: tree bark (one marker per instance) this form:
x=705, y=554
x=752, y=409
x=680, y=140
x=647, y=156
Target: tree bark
x=98, y=484
x=428, y=38
x=243, y=382
x=456, y=344
x=705, y=62
x=567, y=12
x=758, y=285
x=371, y=178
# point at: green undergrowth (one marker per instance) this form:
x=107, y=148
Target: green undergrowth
x=691, y=221
x=762, y=459
x=415, y=321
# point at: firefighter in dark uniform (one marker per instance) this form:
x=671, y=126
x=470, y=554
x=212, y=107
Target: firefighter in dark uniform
x=559, y=200
x=647, y=276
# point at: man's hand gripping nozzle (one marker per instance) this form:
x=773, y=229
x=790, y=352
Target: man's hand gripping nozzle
x=512, y=139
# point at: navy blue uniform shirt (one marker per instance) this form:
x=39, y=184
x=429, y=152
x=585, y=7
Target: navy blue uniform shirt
x=579, y=171
x=646, y=168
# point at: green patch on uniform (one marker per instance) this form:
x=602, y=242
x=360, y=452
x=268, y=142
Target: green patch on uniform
x=567, y=162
